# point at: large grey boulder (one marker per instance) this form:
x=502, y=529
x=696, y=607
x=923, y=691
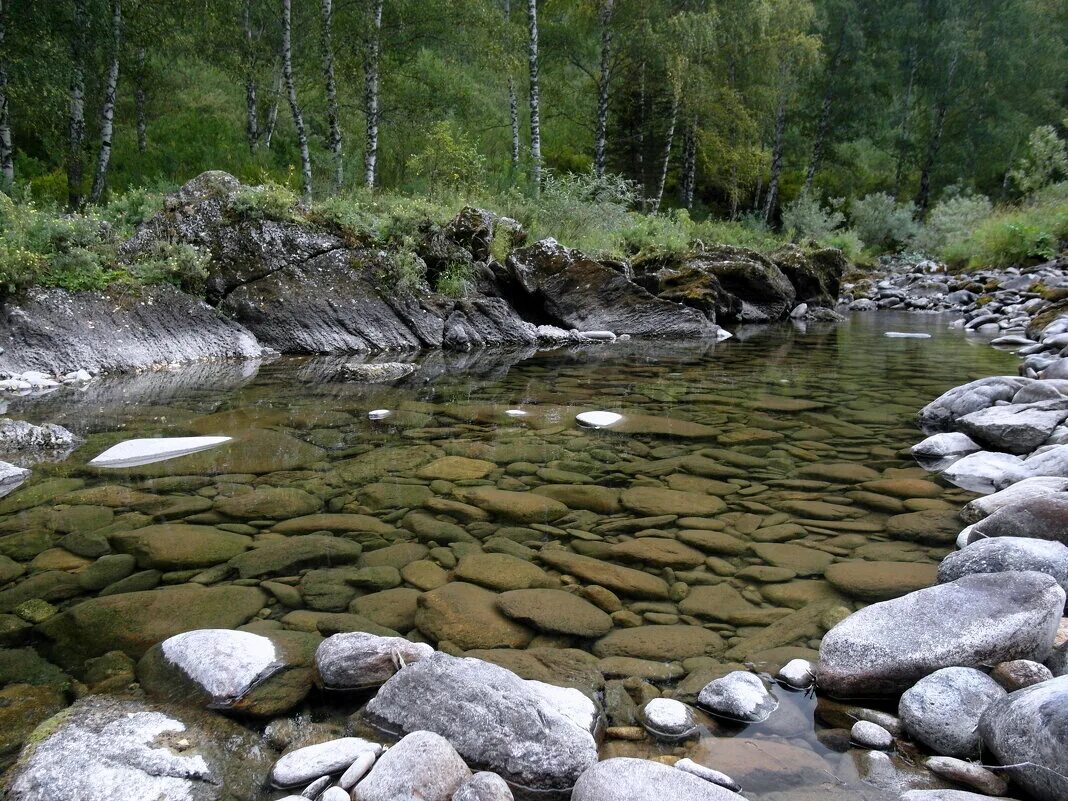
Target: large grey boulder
x=250, y=673
x=1001, y=554
x=1029, y=729
x=576, y=291
x=942, y=710
x=1013, y=428
x=1044, y=517
x=1021, y=491
x=644, y=780
x=422, y=765
x=941, y=413
x=354, y=660
x=18, y=436
x=495, y=720
x=108, y=748
x=974, y=621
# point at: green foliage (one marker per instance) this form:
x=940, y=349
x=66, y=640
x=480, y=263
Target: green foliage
x=882, y=223
x=184, y=266
x=455, y=281
x=449, y=161
x=951, y=222
x=806, y=218
x=1046, y=161
x=1034, y=231
x=267, y=201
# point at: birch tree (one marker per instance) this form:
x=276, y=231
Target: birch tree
x=371, y=107
x=333, y=112
x=141, y=102
x=291, y=92
x=600, y=140
x=7, y=155
x=535, y=93
x=252, y=122
x=107, y=109
x=76, y=119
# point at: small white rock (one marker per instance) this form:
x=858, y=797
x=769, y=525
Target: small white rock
x=708, y=774
x=668, y=717
x=378, y=414
x=357, y=770
x=871, y=735
x=797, y=673
x=598, y=419
x=515, y=413
x=906, y=335
x=334, y=794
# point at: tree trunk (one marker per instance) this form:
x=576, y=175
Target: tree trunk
x=76, y=124
x=535, y=96
x=252, y=122
x=513, y=101
x=601, y=137
x=272, y=112
x=665, y=160
x=370, y=99
x=141, y=103
x=771, y=200
x=906, y=118
x=291, y=91
x=689, y=164
x=107, y=111
x=332, y=111
x=825, y=109
x=7, y=156
x=639, y=153
x=923, y=196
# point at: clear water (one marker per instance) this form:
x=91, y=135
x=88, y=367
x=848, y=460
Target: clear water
x=772, y=407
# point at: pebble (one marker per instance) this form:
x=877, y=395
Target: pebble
x=870, y=735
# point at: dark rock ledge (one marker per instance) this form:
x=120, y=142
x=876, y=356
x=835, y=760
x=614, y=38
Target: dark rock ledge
x=290, y=287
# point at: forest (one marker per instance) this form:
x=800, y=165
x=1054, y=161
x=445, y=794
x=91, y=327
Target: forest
x=874, y=126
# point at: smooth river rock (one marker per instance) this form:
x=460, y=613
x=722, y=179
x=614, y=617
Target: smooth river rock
x=1030, y=726
x=423, y=765
x=108, y=748
x=644, y=780
x=493, y=718
x=1000, y=554
x=555, y=611
x=942, y=710
x=355, y=660
x=974, y=621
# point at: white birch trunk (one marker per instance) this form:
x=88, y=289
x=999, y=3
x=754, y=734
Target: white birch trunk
x=76, y=123
x=272, y=112
x=535, y=98
x=371, y=102
x=291, y=91
x=665, y=161
x=7, y=155
x=332, y=110
x=771, y=200
x=513, y=101
x=600, y=142
x=252, y=122
x=141, y=103
x=107, y=110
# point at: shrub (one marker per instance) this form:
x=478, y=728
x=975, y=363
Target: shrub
x=806, y=218
x=1045, y=163
x=951, y=222
x=455, y=281
x=184, y=266
x=268, y=201
x=449, y=161
x=882, y=223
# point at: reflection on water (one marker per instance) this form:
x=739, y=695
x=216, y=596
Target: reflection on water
x=753, y=493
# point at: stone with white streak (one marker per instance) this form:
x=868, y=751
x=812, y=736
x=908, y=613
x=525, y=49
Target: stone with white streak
x=355, y=660
x=322, y=759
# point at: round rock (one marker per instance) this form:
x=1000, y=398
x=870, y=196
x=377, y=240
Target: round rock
x=942, y=710
x=738, y=696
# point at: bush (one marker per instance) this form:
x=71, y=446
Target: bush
x=951, y=222
x=449, y=161
x=268, y=201
x=1045, y=163
x=184, y=266
x=455, y=281
x=882, y=223
x=806, y=218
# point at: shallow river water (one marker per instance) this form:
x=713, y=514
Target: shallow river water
x=755, y=491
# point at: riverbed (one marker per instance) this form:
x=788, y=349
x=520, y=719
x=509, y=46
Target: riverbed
x=746, y=483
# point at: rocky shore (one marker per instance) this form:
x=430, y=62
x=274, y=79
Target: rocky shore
x=277, y=285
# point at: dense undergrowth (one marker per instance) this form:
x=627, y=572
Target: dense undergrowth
x=40, y=245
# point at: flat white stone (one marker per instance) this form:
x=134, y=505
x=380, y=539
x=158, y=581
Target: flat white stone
x=708, y=774
x=135, y=452
x=723, y=334
x=598, y=419
x=378, y=414
x=225, y=663
x=515, y=413
x=301, y=766
x=569, y=702
x=357, y=770
x=906, y=335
